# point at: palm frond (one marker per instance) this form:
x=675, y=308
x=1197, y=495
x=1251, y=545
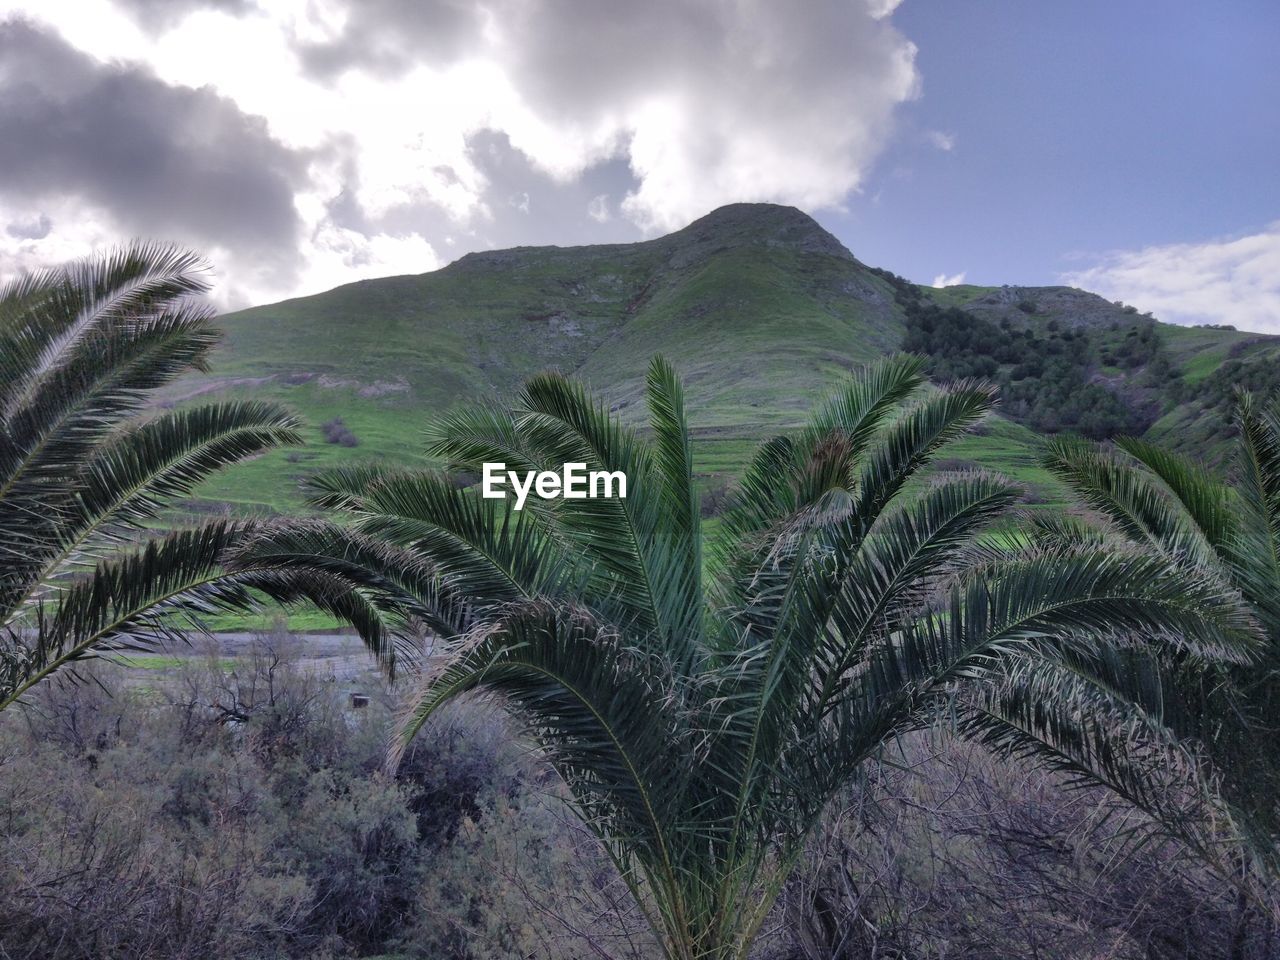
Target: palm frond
x=138, y=471
x=482, y=547
x=76, y=407
x=1204, y=497
x=1017, y=614
x=1101, y=594
x=557, y=422
x=72, y=303
x=1256, y=554
x=895, y=568
x=869, y=397
x=604, y=712
x=345, y=486
x=1139, y=505
x=132, y=601
x=81, y=349
x=673, y=473
x=769, y=492
x=1062, y=722
x=912, y=441
x=378, y=587
x=468, y=437
x=1055, y=529
x=131, y=476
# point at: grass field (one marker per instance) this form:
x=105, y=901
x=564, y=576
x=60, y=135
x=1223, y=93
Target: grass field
x=160, y=662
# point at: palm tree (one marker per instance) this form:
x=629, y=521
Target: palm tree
x=84, y=469
x=704, y=697
x=1130, y=715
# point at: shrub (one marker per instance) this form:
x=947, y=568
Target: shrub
x=133, y=824
x=955, y=854
x=715, y=498
x=336, y=431
x=244, y=812
x=1045, y=380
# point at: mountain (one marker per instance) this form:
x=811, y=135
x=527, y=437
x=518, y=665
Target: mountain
x=760, y=308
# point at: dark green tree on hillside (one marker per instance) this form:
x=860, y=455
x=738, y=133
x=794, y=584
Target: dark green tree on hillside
x=84, y=469
x=1116, y=710
x=702, y=697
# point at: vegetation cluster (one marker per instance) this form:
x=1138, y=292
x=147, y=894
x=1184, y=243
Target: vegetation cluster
x=1219, y=389
x=245, y=812
x=1096, y=382
x=337, y=431
x=139, y=821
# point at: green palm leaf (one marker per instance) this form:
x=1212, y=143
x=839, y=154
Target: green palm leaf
x=1183, y=690
x=81, y=349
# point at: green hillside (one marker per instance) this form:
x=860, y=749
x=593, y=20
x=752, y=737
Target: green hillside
x=760, y=308
x=1182, y=387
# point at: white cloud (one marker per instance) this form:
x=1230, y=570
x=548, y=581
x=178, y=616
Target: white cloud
x=336, y=255
x=75, y=230
x=882, y=8
x=598, y=208
x=945, y=142
x=942, y=280
x=743, y=108
x=1234, y=280
x=707, y=103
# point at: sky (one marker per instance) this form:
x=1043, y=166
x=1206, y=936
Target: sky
x=1125, y=146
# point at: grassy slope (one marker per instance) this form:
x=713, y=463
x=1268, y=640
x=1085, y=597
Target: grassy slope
x=1187, y=425
x=1191, y=427
x=760, y=309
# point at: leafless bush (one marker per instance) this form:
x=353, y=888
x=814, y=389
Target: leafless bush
x=953, y=854
x=241, y=810
x=83, y=710
x=521, y=875
x=123, y=858
x=279, y=708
